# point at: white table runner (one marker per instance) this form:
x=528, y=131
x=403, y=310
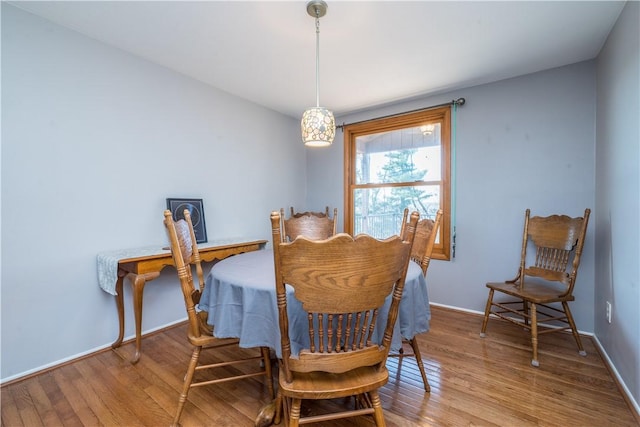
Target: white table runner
x=108, y=264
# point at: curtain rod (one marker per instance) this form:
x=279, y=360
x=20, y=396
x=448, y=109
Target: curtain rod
x=458, y=102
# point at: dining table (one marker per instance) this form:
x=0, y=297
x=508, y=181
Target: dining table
x=240, y=297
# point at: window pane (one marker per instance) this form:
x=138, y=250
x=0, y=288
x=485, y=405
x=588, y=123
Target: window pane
x=378, y=211
x=403, y=155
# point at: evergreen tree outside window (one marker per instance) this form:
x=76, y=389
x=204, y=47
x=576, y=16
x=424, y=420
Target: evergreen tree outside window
x=396, y=163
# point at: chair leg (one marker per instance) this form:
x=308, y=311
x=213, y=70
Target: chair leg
x=266, y=359
x=487, y=311
x=188, y=378
x=534, y=334
x=286, y=409
x=574, y=330
x=416, y=352
x=294, y=412
x=279, y=409
x=378, y=416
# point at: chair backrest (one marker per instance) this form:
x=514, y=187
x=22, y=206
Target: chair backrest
x=186, y=258
x=425, y=239
x=557, y=241
x=342, y=284
x=313, y=225
x=294, y=214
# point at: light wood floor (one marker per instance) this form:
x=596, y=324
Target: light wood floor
x=474, y=381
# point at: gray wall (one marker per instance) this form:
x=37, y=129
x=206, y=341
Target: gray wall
x=534, y=142
x=93, y=141
x=617, y=196
x=526, y=142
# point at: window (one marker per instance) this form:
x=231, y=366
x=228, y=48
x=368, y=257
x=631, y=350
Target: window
x=395, y=163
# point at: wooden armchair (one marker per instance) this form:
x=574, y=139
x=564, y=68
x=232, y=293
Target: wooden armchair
x=342, y=284
x=314, y=225
x=545, y=277
x=186, y=258
x=423, y=243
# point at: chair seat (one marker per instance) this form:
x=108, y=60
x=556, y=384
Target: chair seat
x=537, y=293
x=211, y=341
x=323, y=385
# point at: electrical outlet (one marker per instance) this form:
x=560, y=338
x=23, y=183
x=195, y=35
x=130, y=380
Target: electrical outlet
x=608, y=312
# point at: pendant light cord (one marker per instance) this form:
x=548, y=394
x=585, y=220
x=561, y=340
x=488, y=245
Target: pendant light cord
x=317, y=58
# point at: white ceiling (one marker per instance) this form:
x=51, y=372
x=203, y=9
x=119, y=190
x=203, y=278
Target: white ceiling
x=371, y=52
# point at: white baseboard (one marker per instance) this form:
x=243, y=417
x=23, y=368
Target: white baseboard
x=451, y=307
x=79, y=355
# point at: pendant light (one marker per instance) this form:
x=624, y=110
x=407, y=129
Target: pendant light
x=318, y=125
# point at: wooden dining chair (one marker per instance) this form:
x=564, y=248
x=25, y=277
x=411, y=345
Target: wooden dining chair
x=342, y=284
x=538, y=298
x=186, y=258
x=313, y=225
x=423, y=243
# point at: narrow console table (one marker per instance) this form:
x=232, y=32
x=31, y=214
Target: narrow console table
x=142, y=265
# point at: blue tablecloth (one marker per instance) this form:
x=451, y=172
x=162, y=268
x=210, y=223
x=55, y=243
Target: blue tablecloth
x=240, y=296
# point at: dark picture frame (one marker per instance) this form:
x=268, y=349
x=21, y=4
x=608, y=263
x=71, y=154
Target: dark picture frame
x=196, y=210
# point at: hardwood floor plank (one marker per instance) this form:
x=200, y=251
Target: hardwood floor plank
x=43, y=405
x=61, y=406
x=26, y=407
x=9, y=414
x=63, y=377
x=474, y=381
x=93, y=391
x=119, y=391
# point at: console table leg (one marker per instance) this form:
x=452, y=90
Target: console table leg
x=138, y=281
x=120, y=307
